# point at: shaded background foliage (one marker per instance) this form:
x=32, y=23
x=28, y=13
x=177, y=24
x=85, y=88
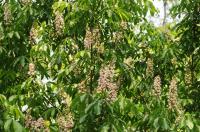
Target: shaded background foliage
x=89, y=65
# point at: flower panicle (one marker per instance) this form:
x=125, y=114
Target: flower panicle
x=7, y=14
x=59, y=23
x=82, y=86
x=106, y=83
x=88, y=41
x=124, y=25
x=25, y=2
x=65, y=123
x=31, y=71
x=173, y=95
x=188, y=76
x=35, y=125
x=33, y=35
x=157, y=86
x=149, y=70
x=92, y=37
x=105, y=76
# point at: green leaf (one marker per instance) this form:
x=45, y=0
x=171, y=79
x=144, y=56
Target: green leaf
x=105, y=128
x=97, y=108
x=2, y=98
x=20, y=59
x=12, y=98
x=190, y=124
x=1, y=123
x=155, y=123
x=61, y=5
x=7, y=125
x=53, y=111
x=17, y=126
x=82, y=119
x=198, y=128
x=198, y=76
x=53, y=129
x=88, y=108
x=10, y=35
x=17, y=35
x=165, y=125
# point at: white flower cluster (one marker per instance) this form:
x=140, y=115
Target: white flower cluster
x=105, y=82
x=172, y=98
x=59, y=23
x=149, y=70
x=31, y=69
x=35, y=125
x=92, y=37
x=157, y=86
x=7, y=14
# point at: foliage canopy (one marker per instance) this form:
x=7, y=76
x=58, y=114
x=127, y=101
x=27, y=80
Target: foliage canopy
x=98, y=65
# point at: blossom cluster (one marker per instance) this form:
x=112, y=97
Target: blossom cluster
x=7, y=14
x=92, y=37
x=65, y=124
x=172, y=98
x=33, y=35
x=59, y=23
x=157, y=86
x=188, y=76
x=35, y=125
x=105, y=82
x=31, y=69
x=149, y=70
x=25, y=2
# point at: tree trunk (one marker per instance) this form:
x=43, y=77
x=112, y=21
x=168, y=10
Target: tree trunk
x=165, y=11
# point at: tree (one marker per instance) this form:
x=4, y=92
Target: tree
x=98, y=65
